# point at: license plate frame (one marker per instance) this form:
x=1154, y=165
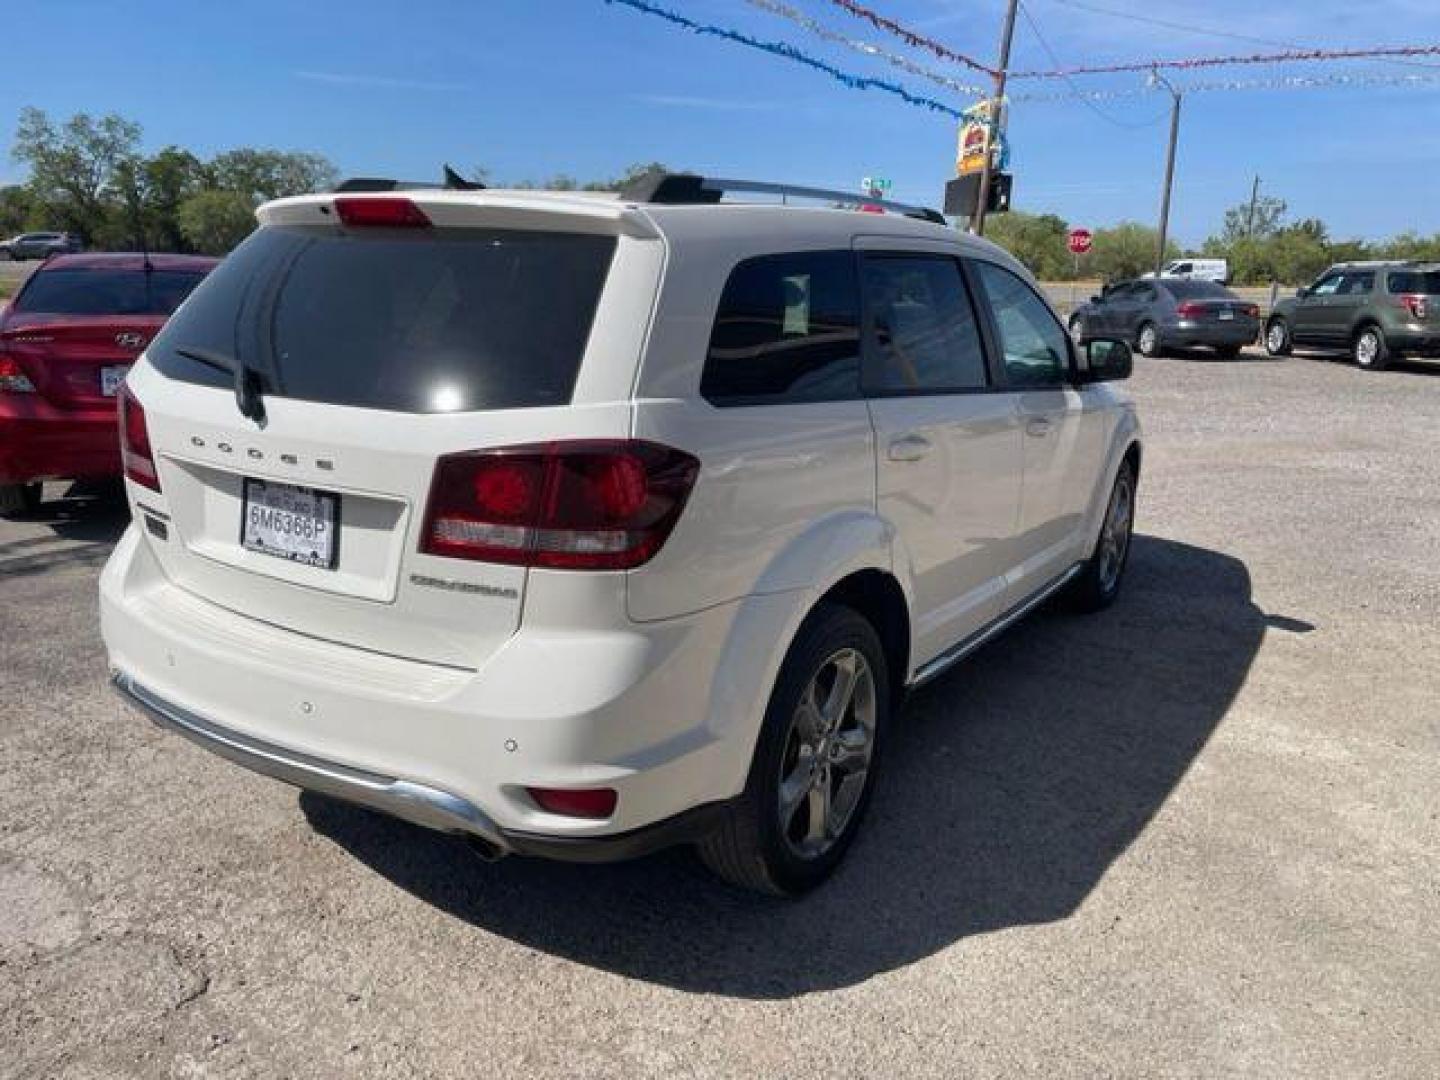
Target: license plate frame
x=112, y=377
x=326, y=557
x=1227, y=314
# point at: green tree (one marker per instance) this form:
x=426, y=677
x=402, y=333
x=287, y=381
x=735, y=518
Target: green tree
x=213, y=221
x=73, y=166
x=1127, y=250
x=1240, y=225
x=271, y=174
x=17, y=209
x=1037, y=240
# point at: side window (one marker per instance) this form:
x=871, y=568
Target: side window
x=788, y=329
x=923, y=333
x=1327, y=286
x=1036, y=347
x=1358, y=284
x=1185, y=268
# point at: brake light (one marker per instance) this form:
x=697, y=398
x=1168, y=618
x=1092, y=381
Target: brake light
x=381, y=213
x=1417, y=304
x=576, y=802
x=587, y=505
x=13, y=379
x=135, y=452
x=1251, y=310
x=1190, y=310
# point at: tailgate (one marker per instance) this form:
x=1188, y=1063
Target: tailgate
x=380, y=593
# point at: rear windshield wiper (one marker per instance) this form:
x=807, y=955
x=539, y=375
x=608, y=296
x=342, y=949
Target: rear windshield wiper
x=247, y=382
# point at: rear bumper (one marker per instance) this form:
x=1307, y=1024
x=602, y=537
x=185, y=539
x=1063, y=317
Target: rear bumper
x=41, y=442
x=636, y=708
x=1414, y=342
x=1241, y=332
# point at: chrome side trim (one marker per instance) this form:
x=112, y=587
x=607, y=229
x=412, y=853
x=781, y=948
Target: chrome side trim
x=417, y=803
x=964, y=648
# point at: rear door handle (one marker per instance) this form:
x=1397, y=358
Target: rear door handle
x=1038, y=427
x=909, y=448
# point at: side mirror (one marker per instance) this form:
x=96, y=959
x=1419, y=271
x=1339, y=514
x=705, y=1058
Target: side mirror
x=1097, y=299
x=1107, y=360
x=1300, y=294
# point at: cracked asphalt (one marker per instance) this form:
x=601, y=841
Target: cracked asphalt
x=1194, y=836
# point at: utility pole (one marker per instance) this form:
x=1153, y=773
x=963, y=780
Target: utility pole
x=1157, y=78
x=992, y=140
x=1254, y=198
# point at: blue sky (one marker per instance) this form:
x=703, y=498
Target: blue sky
x=534, y=87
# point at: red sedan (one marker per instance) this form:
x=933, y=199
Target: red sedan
x=66, y=341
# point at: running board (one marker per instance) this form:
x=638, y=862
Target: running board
x=959, y=651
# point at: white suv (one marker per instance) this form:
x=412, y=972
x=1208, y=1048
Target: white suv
x=583, y=526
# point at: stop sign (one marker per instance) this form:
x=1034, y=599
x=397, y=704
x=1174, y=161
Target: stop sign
x=1080, y=241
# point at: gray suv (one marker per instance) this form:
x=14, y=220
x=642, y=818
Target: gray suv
x=39, y=245
x=1378, y=312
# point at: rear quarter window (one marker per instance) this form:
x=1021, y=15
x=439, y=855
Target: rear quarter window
x=787, y=330
x=1425, y=282
x=424, y=321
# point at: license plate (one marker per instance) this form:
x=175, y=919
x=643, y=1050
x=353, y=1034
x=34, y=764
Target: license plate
x=1227, y=315
x=111, y=377
x=290, y=522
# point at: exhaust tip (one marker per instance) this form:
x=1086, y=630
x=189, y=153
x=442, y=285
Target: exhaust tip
x=485, y=850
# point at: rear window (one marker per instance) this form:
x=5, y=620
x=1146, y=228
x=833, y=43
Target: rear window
x=436, y=320
x=106, y=292
x=1426, y=282
x=1195, y=289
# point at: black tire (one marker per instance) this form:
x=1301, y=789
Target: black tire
x=751, y=848
x=1098, y=584
x=1277, y=338
x=1147, y=340
x=1227, y=352
x=20, y=498
x=1369, y=350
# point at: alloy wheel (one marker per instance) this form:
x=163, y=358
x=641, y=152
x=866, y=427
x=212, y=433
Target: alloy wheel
x=828, y=753
x=1115, y=536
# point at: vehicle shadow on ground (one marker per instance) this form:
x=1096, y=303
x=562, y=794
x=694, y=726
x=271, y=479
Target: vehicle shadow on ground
x=1011, y=786
x=1250, y=355
x=80, y=525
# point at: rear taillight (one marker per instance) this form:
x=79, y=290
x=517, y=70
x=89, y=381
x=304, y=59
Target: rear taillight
x=1251, y=310
x=381, y=213
x=586, y=505
x=576, y=802
x=1417, y=304
x=13, y=379
x=135, y=452
x=1190, y=310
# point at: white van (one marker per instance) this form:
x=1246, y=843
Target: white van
x=1217, y=270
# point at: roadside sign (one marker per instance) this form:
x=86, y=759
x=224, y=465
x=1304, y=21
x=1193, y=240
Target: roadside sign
x=875, y=186
x=1080, y=241
x=979, y=134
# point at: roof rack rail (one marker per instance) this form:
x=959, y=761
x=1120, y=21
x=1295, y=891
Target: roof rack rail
x=451, y=181
x=689, y=189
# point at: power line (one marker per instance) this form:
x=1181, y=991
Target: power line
x=1206, y=31
x=1289, y=56
x=911, y=38
x=865, y=48
x=1075, y=91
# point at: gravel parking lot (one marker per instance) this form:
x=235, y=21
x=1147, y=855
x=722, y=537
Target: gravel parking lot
x=1194, y=836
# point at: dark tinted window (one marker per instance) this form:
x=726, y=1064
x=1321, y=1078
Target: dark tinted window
x=787, y=330
x=435, y=320
x=106, y=292
x=922, y=326
x=1036, y=347
x=1415, y=281
x=1196, y=289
